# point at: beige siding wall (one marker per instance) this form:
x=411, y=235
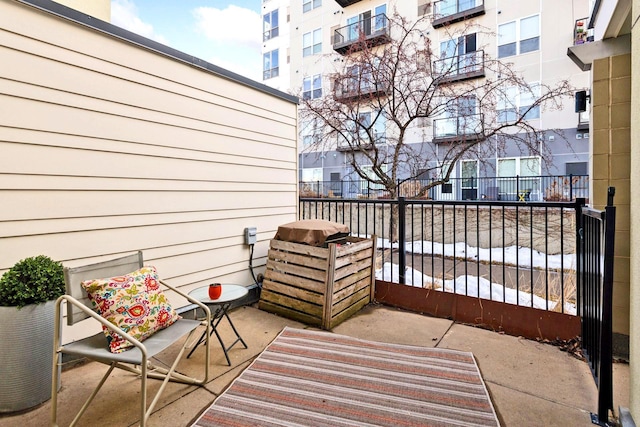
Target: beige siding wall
x=107, y=147
x=611, y=166
x=100, y=9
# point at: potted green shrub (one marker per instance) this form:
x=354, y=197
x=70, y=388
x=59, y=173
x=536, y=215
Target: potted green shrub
x=27, y=308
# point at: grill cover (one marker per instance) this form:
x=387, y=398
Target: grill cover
x=314, y=232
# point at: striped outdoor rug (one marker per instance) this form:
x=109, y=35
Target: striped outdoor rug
x=313, y=378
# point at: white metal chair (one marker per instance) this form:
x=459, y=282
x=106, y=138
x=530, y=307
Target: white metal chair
x=135, y=359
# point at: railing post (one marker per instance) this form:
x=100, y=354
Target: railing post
x=605, y=377
x=570, y=186
x=580, y=259
x=402, y=254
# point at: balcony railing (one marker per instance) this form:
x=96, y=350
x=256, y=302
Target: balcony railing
x=515, y=250
x=461, y=128
x=379, y=138
x=583, y=120
x=352, y=88
x=271, y=73
x=369, y=32
x=461, y=67
x=450, y=11
x=269, y=34
x=543, y=188
x=581, y=34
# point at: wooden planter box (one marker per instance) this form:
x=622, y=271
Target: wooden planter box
x=319, y=286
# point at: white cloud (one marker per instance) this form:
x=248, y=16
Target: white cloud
x=125, y=14
x=235, y=34
x=250, y=67
x=233, y=25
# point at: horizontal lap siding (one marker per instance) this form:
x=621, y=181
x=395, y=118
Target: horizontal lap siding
x=107, y=147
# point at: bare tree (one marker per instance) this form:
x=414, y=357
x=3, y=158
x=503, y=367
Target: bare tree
x=409, y=88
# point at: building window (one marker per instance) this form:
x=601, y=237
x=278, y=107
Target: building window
x=378, y=130
x=366, y=185
x=366, y=24
x=577, y=168
x=311, y=174
x=312, y=42
x=362, y=133
x=519, y=36
x=358, y=80
x=451, y=7
x=519, y=176
x=270, y=25
x=308, y=5
x=458, y=56
x=380, y=15
x=514, y=104
x=270, y=65
x=312, y=87
x=469, y=172
x=518, y=166
x=459, y=118
x=310, y=133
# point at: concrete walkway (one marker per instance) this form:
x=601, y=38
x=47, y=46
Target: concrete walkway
x=530, y=383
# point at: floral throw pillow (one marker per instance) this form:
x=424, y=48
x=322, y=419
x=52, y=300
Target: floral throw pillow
x=134, y=303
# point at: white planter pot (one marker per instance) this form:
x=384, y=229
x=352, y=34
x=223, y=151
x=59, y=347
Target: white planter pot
x=26, y=355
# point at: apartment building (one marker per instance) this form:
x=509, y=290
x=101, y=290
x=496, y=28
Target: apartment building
x=315, y=38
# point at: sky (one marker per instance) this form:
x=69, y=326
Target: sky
x=223, y=32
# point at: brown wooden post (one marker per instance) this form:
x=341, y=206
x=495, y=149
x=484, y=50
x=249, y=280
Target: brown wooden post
x=374, y=243
x=327, y=310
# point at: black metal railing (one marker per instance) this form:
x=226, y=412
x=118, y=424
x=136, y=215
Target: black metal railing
x=581, y=33
x=463, y=127
x=374, y=29
x=553, y=256
x=460, y=66
x=595, y=292
x=452, y=7
x=523, y=254
x=358, y=87
x=450, y=11
x=548, y=188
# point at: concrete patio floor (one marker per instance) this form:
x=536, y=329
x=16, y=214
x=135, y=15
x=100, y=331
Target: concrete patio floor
x=530, y=383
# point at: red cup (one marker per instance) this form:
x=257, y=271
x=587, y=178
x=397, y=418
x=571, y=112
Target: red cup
x=215, y=290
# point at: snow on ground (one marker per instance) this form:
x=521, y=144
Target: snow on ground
x=478, y=286
x=511, y=255
x=474, y=287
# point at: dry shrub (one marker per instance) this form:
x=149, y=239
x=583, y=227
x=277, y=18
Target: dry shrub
x=560, y=189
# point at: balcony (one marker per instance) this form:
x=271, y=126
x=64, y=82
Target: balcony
x=352, y=89
x=380, y=138
x=368, y=32
x=583, y=120
x=539, y=188
x=345, y=3
x=511, y=386
x=457, y=129
x=447, y=12
x=581, y=33
x=460, y=68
